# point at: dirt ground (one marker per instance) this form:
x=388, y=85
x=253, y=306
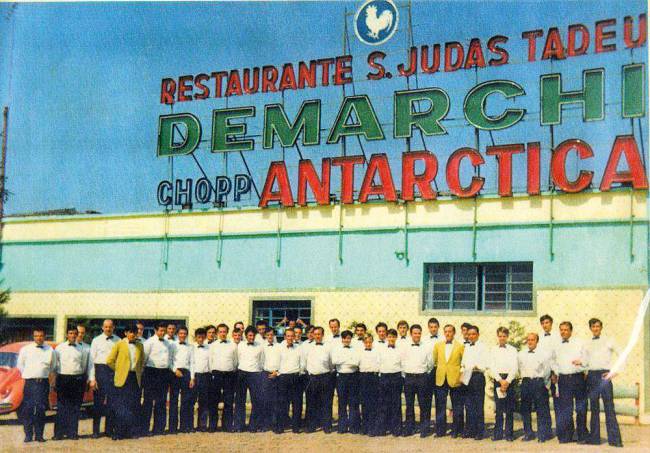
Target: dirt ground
x=635, y=438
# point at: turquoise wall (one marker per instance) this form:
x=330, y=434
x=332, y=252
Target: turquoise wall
x=585, y=256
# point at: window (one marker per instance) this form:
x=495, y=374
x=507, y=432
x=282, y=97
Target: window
x=275, y=311
x=22, y=329
x=478, y=286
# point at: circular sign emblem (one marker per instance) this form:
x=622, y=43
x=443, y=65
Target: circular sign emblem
x=376, y=21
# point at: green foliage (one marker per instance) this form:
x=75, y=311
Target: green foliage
x=517, y=334
x=5, y=295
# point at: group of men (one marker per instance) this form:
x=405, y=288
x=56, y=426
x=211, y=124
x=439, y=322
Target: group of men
x=133, y=379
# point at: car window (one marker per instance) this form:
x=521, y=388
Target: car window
x=8, y=359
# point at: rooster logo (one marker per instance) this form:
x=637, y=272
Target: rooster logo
x=376, y=21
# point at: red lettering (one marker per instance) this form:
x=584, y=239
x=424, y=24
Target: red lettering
x=423, y=180
x=342, y=68
x=558, y=166
x=325, y=63
x=574, y=29
x=234, y=84
x=533, y=165
x=167, y=91
x=306, y=74
x=413, y=64
x=602, y=35
x=500, y=51
x=288, y=79
x=184, y=85
x=378, y=165
x=269, y=78
x=624, y=145
x=218, y=78
x=373, y=59
x=460, y=55
x=553, y=47
x=347, y=164
x=277, y=172
x=628, y=31
x=475, y=55
x=532, y=36
x=424, y=57
x=248, y=89
x=307, y=175
x=453, y=172
x=198, y=83
x=503, y=155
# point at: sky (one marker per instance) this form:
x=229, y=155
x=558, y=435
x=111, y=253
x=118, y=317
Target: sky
x=82, y=82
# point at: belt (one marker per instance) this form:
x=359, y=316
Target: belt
x=532, y=379
x=414, y=374
x=572, y=374
x=477, y=372
x=599, y=371
x=373, y=373
x=38, y=379
x=219, y=371
x=182, y=369
x=397, y=373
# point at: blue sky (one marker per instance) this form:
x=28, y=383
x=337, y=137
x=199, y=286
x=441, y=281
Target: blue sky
x=82, y=82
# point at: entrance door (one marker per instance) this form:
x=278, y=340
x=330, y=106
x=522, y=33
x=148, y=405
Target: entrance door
x=274, y=311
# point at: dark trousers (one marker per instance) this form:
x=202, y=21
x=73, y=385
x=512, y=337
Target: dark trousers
x=462, y=394
x=239, y=393
x=431, y=388
x=249, y=382
x=331, y=387
x=103, y=406
x=475, y=401
x=369, y=399
x=417, y=385
x=32, y=409
x=602, y=388
x=69, y=396
x=318, y=389
x=289, y=395
x=534, y=393
x=156, y=383
x=127, y=407
x=225, y=387
x=268, y=401
x=179, y=389
x=347, y=389
x=304, y=383
x=573, y=388
x=390, y=397
x=441, y=409
x=203, y=394
x=504, y=409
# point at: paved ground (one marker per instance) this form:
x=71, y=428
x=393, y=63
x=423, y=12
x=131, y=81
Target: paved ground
x=636, y=438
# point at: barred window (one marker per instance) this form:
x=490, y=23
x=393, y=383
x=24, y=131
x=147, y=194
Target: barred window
x=478, y=286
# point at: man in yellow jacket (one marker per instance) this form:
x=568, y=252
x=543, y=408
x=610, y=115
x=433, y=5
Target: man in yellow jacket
x=447, y=356
x=126, y=359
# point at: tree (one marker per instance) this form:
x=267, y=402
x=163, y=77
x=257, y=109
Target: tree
x=4, y=298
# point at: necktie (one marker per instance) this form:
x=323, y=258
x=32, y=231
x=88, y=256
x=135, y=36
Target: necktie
x=596, y=338
x=39, y=346
x=502, y=346
x=346, y=347
x=382, y=341
x=182, y=343
x=392, y=347
x=336, y=336
x=210, y=341
x=415, y=344
x=250, y=344
x=132, y=342
x=433, y=336
x=270, y=344
x=319, y=344
x=531, y=351
x=547, y=334
x=110, y=337
x=224, y=341
x=289, y=346
x=161, y=339
x=74, y=345
x=565, y=341
x=449, y=342
x=368, y=349
x=201, y=346
x=471, y=344
x=403, y=338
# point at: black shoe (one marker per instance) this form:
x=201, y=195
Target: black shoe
x=479, y=437
x=495, y=438
x=295, y=430
x=96, y=436
x=40, y=439
x=28, y=439
x=529, y=437
x=424, y=434
x=510, y=439
x=57, y=438
x=327, y=430
x=616, y=444
x=439, y=435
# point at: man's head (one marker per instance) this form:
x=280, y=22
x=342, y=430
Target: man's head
x=546, y=322
x=433, y=326
x=416, y=333
x=289, y=336
x=39, y=335
x=472, y=334
x=318, y=334
x=449, y=331
x=360, y=330
x=367, y=341
x=391, y=337
x=335, y=326
x=531, y=340
x=310, y=332
x=199, y=335
x=171, y=329
x=139, y=325
x=182, y=334
x=346, y=337
x=81, y=333
x=239, y=325
x=566, y=329
x=382, y=330
x=131, y=332
x=237, y=335
x=222, y=331
x=596, y=326
x=298, y=333
x=502, y=335
x=161, y=327
x=261, y=326
x=463, y=329
x=211, y=332
x=269, y=335
x=250, y=333
x=71, y=335
x=108, y=327
x=402, y=328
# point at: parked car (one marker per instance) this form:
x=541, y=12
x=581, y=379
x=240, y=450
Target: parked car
x=12, y=383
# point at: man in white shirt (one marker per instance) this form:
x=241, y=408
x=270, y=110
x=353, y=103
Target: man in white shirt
x=289, y=384
x=201, y=380
x=416, y=364
x=433, y=337
x=335, y=331
x=402, y=334
x=319, y=368
x=250, y=356
x=261, y=326
x=473, y=367
x=548, y=340
x=223, y=366
x=170, y=334
x=101, y=379
x=37, y=365
x=600, y=351
x=390, y=387
x=269, y=381
x=369, y=386
x=382, y=335
x=180, y=389
x=535, y=371
x=570, y=360
x=346, y=360
x=156, y=379
x=503, y=368
x=72, y=374
x=360, y=331
x=81, y=337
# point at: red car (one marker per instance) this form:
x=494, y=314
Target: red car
x=12, y=383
